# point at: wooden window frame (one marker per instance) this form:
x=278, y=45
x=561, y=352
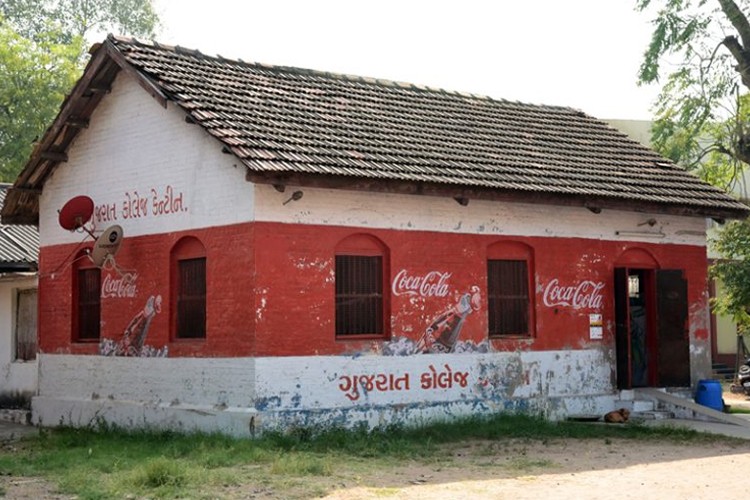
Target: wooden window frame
x=522, y=255
x=25, y=350
x=94, y=305
x=368, y=249
x=186, y=250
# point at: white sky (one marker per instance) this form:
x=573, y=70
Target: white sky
x=579, y=53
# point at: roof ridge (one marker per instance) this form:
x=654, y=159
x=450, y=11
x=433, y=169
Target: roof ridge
x=331, y=74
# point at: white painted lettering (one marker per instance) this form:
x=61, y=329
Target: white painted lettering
x=124, y=286
x=585, y=294
x=432, y=284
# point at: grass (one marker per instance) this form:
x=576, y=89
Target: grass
x=112, y=463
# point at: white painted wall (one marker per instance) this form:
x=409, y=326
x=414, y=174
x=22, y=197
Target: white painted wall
x=240, y=396
x=431, y=213
x=15, y=376
x=134, y=145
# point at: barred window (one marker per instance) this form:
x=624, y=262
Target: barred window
x=508, y=297
x=359, y=295
x=510, y=286
x=188, y=284
x=88, y=317
x=191, y=299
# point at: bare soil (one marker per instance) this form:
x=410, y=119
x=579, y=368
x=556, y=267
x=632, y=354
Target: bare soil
x=575, y=469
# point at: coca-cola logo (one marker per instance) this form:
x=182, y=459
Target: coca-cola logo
x=431, y=284
x=121, y=287
x=582, y=295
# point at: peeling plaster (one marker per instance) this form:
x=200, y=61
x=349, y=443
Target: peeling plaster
x=305, y=264
x=262, y=294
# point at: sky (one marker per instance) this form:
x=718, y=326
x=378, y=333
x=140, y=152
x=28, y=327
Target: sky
x=578, y=53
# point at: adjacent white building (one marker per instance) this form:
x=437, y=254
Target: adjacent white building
x=19, y=247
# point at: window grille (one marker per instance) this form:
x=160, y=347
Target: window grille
x=191, y=299
x=508, y=297
x=89, y=304
x=359, y=295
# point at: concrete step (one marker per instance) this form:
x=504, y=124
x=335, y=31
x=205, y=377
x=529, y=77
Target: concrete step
x=722, y=371
x=651, y=415
x=15, y=416
x=629, y=400
x=643, y=405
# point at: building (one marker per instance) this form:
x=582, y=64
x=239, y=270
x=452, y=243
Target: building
x=279, y=247
x=19, y=247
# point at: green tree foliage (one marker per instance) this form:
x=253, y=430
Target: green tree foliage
x=733, y=244
x=702, y=110
x=36, y=75
x=42, y=53
x=703, y=114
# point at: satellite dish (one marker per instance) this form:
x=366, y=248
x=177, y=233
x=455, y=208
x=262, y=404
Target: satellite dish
x=76, y=212
x=106, y=245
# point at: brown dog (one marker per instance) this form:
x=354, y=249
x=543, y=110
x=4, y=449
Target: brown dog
x=618, y=416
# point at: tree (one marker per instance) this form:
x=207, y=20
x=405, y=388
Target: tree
x=42, y=53
x=734, y=271
x=703, y=114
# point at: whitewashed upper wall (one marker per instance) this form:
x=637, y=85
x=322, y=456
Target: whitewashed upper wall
x=134, y=148
x=431, y=213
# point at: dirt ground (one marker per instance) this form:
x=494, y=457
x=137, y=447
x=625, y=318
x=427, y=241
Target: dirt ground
x=517, y=469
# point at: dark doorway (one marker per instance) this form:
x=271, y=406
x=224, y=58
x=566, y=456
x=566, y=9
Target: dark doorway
x=651, y=337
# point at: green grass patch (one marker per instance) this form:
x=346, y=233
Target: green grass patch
x=525, y=464
x=112, y=463
x=301, y=464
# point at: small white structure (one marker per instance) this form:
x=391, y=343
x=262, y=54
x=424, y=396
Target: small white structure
x=19, y=247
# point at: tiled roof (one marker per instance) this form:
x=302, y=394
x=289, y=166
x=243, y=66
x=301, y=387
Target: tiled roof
x=19, y=245
x=289, y=125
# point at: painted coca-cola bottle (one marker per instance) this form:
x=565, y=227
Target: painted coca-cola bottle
x=442, y=334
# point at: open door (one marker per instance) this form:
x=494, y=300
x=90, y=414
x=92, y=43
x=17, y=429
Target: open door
x=651, y=336
x=622, y=328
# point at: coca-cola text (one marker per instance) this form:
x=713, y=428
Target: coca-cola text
x=432, y=284
x=124, y=286
x=585, y=294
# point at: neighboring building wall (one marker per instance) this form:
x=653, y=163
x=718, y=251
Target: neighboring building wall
x=271, y=356
x=18, y=376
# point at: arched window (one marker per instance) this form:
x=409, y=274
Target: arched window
x=361, y=270
x=86, y=294
x=510, y=285
x=188, y=285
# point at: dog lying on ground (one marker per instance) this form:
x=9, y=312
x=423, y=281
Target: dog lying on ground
x=618, y=416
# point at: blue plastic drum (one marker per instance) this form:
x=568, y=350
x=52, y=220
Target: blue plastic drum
x=708, y=394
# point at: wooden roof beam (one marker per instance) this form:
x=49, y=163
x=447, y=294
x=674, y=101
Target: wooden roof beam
x=55, y=156
x=77, y=122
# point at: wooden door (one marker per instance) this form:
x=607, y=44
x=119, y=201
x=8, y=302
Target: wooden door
x=673, y=342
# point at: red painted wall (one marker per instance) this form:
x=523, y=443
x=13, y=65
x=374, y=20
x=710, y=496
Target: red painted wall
x=229, y=281
x=271, y=288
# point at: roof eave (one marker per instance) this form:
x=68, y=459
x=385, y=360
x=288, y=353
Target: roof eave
x=464, y=194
